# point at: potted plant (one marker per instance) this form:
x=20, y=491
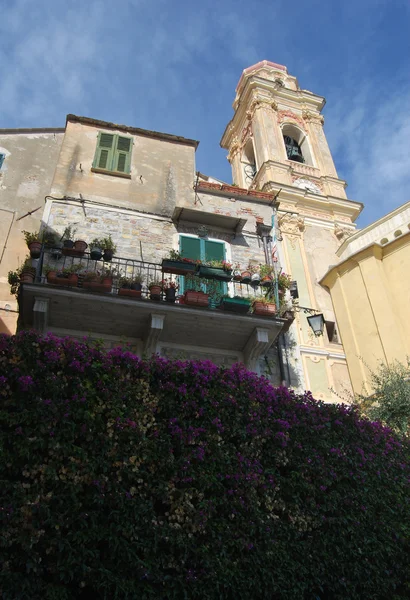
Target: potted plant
x=24, y=274
x=98, y=281
x=67, y=276
x=284, y=282
x=170, y=288
x=68, y=241
x=196, y=298
x=177, y=265
x=246, y=276
x=237, y=304
x=266, y=273
x=263, y=305
x=220, y=270
x=80, y=247
x=255, y=276
x=155, y=289
x=131, y=286
x=96, y=249
x=53, y=241
x=33, y=241
x=237, y=274
x=109, y=248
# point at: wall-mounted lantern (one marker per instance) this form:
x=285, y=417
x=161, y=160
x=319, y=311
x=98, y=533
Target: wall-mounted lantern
x=317, y=323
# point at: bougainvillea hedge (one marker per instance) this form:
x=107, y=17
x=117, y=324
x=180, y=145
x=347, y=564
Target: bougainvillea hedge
x=123, y=478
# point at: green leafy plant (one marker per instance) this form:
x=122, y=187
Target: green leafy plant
x=31, y=237
x=266, y=271
x=69, y=233
x=390, y=400
x=13, y=277
x=284, y=281
x=108, y=244
x=97, y=243
x=155, y=282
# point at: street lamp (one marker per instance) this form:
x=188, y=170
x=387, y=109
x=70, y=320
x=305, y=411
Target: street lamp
x=317, y=323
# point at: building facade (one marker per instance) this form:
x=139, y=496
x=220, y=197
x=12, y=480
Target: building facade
x=370, y=290
x=286, y=207
x=28, y=158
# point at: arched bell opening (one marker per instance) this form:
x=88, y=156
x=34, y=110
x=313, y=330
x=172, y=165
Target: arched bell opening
x=296, y=144
x=249, y=163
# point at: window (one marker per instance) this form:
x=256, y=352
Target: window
x=331, y=331
x=113, y=153
x=203, y=250
x=2, y=157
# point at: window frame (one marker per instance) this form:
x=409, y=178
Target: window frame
x=113, y=156
x=202, y=257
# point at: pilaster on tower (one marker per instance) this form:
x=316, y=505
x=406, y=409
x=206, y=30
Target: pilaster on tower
x=276, y=136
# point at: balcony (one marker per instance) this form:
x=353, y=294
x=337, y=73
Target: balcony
x=100, y=307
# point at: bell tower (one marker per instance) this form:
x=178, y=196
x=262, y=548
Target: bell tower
x=276, y=134
x=276, y=143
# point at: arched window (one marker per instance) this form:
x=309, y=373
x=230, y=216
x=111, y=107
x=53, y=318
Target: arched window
x=296, y=144
x=249, y=163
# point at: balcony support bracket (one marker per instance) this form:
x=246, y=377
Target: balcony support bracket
x=257, y=345
x=40, y=314
x=154, y=333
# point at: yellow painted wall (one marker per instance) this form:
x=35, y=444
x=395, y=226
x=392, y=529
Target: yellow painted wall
x=371, y=297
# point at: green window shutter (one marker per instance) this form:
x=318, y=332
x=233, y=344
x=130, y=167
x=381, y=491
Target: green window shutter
x=214, y=250
x=122, y=161
x=190, y=247
x=104, y=153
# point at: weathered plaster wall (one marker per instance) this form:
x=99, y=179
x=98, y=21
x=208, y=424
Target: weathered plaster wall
x=25, y=180
x=162, y=172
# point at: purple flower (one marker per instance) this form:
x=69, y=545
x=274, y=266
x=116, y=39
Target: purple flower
x=25, y=382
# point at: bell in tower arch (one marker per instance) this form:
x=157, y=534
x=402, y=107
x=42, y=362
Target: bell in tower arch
x=293, y=150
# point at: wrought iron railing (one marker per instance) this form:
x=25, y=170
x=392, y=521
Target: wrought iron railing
x=66, y=268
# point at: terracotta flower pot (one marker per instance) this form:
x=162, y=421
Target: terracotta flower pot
x=129, y=293
x=80, y=246
x=35, y=249
x=246, y=276
x=267, y=310
x=196, y=298
x=27, y=276
x=155, y=292
x=51, y=276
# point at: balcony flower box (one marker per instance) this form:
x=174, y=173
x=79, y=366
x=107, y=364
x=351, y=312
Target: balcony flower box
x=178, y=267
x=64, y=279
x=132, y=291
x=237, y=305
x=216, y=273
x=196, y=298
x=103, y=287
x=264, y=309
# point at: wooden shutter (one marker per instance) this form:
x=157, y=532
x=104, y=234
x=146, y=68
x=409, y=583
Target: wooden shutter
x=122, y=160
x=104, y=153
x=190, y=247
x=214, y=250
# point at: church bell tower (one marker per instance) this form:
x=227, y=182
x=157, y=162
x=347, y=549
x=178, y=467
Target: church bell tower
x=276, y=144
x=276, y=134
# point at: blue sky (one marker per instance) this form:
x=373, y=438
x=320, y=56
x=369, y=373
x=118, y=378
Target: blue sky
x=173, y=66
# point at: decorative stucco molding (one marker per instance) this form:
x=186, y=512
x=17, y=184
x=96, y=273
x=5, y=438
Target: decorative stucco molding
x=289, y=116
x=293, y=225
x=310, y=117
x=342, y=233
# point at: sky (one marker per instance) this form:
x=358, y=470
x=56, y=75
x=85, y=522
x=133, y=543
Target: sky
x=172, y=66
